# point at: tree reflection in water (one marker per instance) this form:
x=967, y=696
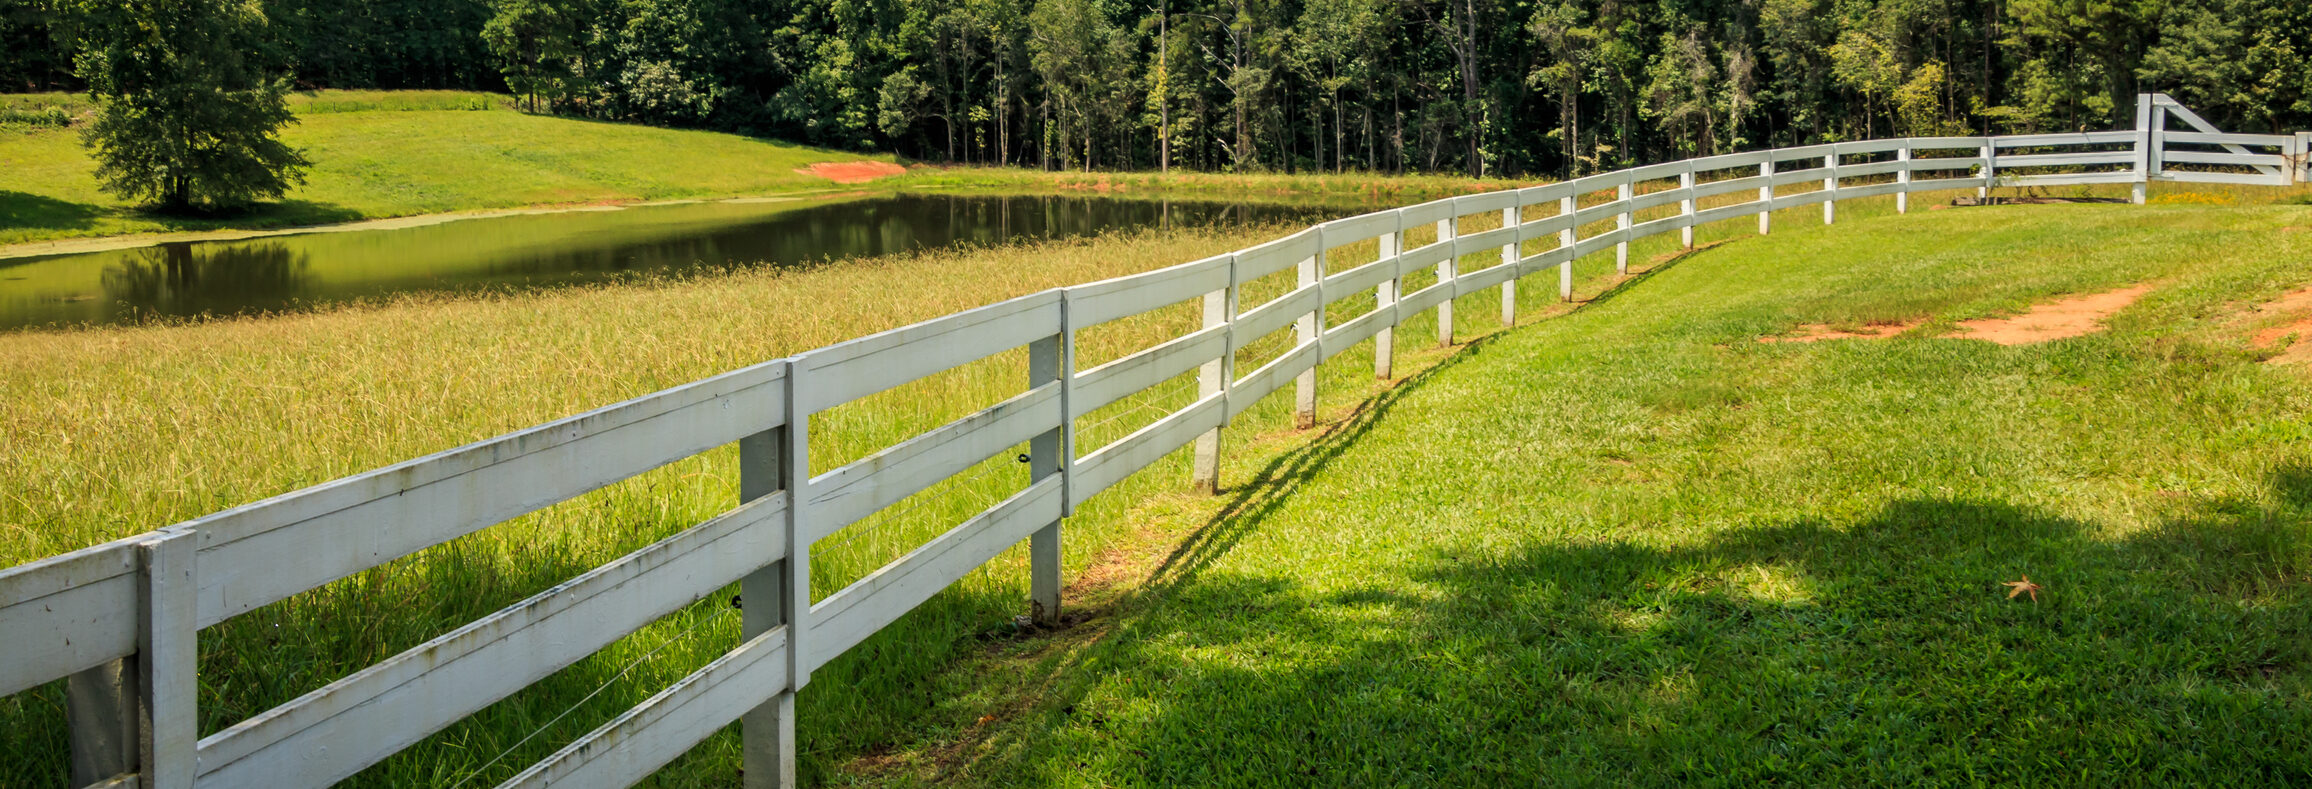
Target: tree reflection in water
x=187, y=279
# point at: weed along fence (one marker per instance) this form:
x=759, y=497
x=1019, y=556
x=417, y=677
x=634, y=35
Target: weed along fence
x=118, y=622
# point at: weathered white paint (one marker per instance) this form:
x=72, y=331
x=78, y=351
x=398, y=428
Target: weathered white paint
x=1123, y=297
x=1765, y=196
x=767, y=731
x=1212, y=381
x=1686, y=207
x=1385, y=298
x=1306, y=329
x=1569, y=212
x=1509, y=221
x=68, y=613
x=262, y=552
x=1448, y=229
x=1903, y=180
x=849, y=616
x=1048, y=461
x=329, y=734
x=1622, y=223
x=1112, y=463
x=168, y=654
x=638, y=742
x=841, y=497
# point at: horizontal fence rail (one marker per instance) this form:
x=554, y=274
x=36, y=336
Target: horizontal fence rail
x=118, y=621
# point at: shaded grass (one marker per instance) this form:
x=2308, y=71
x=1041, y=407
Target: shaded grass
x=1633, y=545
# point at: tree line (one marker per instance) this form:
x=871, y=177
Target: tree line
x=1485, y=87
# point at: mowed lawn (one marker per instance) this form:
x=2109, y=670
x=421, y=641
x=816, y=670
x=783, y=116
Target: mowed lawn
x=1634, y=545
x=386, y=154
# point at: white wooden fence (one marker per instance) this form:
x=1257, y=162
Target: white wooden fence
x=118, y=621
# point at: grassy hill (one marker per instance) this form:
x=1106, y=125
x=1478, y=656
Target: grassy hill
x=388, y=154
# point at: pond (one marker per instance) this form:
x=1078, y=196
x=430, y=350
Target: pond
x=310, y=270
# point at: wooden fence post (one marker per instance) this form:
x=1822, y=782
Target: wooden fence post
x=1830, y=187
x=1686, y=207
x=1384, y=295
x=1509, y=219
x=1306, y=331
x=767, y=732
x=1766, y=196
x=1903, y=178
x=1448, y=229
x=1622, y=224
x=778, y=595
x=1047, y=363
x=168, y=662
x=1567, y=206
x=2137, y=192
x=139, y=714
x=2304, y=157
x=1990, y=173
x=1211, y=379
x=2158, y=140
x=100, y=707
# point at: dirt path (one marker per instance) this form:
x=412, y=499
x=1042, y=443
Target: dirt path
x=2294, y=336
x=1817, y=332
x=2053, y=320
x=853, y=172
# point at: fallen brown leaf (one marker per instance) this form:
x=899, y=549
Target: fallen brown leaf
x=2022, y=587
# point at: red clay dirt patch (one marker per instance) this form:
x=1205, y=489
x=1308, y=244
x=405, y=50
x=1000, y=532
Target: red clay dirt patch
x=853, y=172
x=1817, y=332
x=2054, y=320
x=2295, y=336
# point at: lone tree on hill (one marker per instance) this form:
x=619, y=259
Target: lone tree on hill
x=189, y=115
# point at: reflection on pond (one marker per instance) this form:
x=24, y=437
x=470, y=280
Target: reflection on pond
x=195, y=279
x=548, y=250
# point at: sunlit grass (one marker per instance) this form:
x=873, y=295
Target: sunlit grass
x=1632, y=545
x=382, y=154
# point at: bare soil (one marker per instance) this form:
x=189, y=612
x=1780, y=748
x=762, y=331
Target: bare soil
x=1817, y=332
x=2053, y=320
x=2294, y=335
x=854, y=172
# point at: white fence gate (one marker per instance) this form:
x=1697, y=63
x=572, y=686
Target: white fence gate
x=119, y=620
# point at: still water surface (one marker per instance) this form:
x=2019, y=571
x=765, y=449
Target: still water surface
x=317, y=269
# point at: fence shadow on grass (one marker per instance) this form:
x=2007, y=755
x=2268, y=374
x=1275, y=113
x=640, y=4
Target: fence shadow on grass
x=1254, y=500
x=1883, y=652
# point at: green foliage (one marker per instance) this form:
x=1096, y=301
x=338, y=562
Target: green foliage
x=188, y=116
x=1505, y=87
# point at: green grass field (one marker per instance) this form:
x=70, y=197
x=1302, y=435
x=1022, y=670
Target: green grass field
x=1633, y=545
x=390, y=154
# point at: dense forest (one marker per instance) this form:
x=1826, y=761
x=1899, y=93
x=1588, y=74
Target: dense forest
x=1498, y=87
